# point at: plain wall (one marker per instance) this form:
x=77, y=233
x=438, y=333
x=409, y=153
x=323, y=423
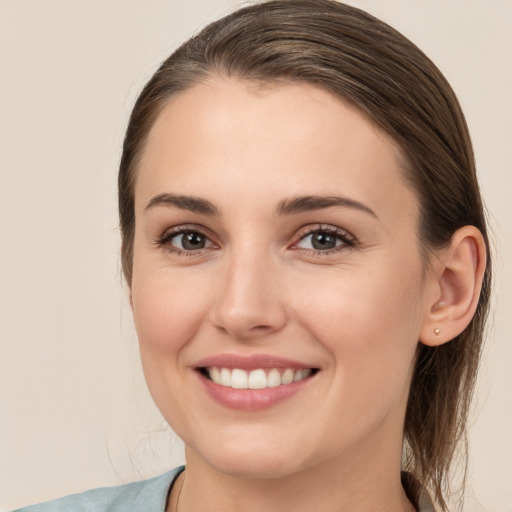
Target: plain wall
x=74, y=410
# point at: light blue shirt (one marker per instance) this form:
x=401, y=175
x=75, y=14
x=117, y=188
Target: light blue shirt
x=145, y=496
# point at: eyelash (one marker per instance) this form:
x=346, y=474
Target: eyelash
x=165, y=239
x=348, y=240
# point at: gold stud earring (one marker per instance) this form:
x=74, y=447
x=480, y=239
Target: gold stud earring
x=436, y=331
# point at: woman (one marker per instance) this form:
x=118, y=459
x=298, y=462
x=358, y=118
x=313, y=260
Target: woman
x=306, y=251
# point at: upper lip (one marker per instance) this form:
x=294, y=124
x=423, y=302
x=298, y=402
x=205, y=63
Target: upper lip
x=250, y=362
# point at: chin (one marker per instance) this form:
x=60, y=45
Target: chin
x=257, y=469
x=262, y=460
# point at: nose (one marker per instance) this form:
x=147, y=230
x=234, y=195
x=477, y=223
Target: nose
x=248, y=301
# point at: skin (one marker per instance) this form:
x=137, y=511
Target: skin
x=355, y=313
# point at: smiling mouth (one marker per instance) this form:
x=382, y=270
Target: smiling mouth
x=259, y=378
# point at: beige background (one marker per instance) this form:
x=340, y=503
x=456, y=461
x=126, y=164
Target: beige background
x=74, y=412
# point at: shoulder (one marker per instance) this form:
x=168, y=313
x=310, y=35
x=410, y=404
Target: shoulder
x=144, y=496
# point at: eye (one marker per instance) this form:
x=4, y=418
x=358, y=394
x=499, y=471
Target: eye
x=325, y=239
x=186, y=240
x=190, y=241
x=319, y=241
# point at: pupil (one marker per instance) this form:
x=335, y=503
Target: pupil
x=323, y=241
x=193, y=241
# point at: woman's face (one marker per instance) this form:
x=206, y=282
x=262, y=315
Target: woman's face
x=276, y=239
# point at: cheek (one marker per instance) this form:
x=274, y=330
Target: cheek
x=352, y=304
x=369, y=322
x=168, y=313
x=167, y=310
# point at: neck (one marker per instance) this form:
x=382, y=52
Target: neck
x=350, y=482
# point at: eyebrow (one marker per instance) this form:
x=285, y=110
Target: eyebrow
x=287, y=207
x=190, y=203
x=309, y=203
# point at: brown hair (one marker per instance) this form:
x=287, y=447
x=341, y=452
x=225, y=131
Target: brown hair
x=363, y=60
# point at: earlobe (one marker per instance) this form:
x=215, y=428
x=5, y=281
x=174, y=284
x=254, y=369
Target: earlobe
x=457, y=277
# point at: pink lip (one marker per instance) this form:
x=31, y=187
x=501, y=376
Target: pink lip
x=251, y=362
x=250, y=399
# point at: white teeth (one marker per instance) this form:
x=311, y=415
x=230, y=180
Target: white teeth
x=225, y=377
x=215, y=375
x=287, y=377
x=239, y=379
x=301, y=374
x=256, y=379
x=273, y=378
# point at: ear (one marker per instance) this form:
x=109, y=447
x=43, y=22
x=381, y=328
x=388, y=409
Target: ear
x=455, y=281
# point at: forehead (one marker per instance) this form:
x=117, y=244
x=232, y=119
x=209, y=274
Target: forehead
x=227, y=133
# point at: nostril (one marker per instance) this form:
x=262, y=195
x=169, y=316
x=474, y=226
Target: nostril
x=261, y=328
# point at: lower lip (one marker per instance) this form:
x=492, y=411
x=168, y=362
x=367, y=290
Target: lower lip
x=252, y=399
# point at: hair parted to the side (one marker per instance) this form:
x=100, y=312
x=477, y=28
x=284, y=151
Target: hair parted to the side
x=360, y=59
